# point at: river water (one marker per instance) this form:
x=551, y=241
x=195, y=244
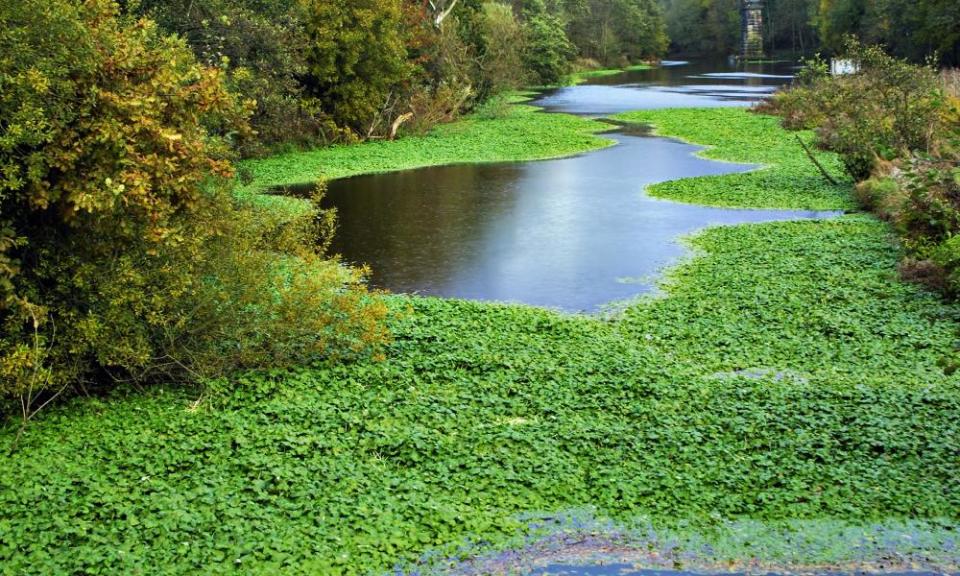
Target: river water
x=573, y=234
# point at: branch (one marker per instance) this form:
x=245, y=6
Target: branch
x=399, y=122
x=438, y=21
x=815, y=161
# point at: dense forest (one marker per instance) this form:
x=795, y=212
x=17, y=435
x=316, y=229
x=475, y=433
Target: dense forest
x=909, y=29
x=322, y=72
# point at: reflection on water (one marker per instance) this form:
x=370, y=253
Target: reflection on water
x=573, y=233
x=675, y=85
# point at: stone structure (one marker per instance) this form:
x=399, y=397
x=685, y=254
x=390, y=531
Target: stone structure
x=751, y=45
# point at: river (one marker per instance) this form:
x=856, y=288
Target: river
x=574, y=234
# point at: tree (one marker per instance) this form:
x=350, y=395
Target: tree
x=441, y=9
x=502, y=61
x=260, y=48
x=700, y=27
x=790, y=24
x=123, y=255
x=357, y=59
x=615, y=32
x=547, y=51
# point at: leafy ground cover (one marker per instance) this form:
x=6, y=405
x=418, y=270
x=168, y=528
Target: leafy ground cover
x=735, y=136
x=522, y=133
x=786, y=374
x=585, y=75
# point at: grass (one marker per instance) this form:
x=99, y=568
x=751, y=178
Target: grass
x=522, y=133
x=786, y=375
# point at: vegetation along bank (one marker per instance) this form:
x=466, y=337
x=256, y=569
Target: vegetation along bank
x=786, y=373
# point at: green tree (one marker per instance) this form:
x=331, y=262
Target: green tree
x=502, y=62
x=124, y=255
x=791, y=25
x=548, y=51
x=909, y=29
x=260, y=47
x=703, y=26
x=357, y=59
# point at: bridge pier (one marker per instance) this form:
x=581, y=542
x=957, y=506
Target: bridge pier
x=751, y=16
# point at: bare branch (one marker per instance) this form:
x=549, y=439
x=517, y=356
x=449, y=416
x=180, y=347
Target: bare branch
x=442, y=13
x=816, y=162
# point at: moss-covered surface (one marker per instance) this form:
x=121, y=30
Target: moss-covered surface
x=786, y=374
x=522, y=132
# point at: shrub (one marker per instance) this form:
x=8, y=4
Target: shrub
x=124, y=255
x=887, y=110
x=951, y=81
x=897, y=128
x=442, y=103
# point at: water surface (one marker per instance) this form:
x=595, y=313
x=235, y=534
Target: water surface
x=673, y=85
x=575, y=233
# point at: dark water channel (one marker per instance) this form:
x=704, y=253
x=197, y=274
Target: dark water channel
x=574, y=233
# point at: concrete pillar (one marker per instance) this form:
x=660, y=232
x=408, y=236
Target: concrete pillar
x=751, y=45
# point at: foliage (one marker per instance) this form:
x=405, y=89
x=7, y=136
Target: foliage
x=125, y=255
x=706, y=27
x=619, y=32
x=357, y=59
x=791, y=25
x=785, y=178
x=321, y=73
x=785, y=374
x=913, y=29
x=260, y=48
x=898, y=130
x=502, y=60
x=521, y=133
x=888, y=109
x=548, y=51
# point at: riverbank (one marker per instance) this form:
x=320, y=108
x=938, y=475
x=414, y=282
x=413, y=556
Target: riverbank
x=582, y=76
x=785, y=178
x=785, y=374
x=502, y=132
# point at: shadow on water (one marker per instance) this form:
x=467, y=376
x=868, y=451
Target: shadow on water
x=574, y=233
